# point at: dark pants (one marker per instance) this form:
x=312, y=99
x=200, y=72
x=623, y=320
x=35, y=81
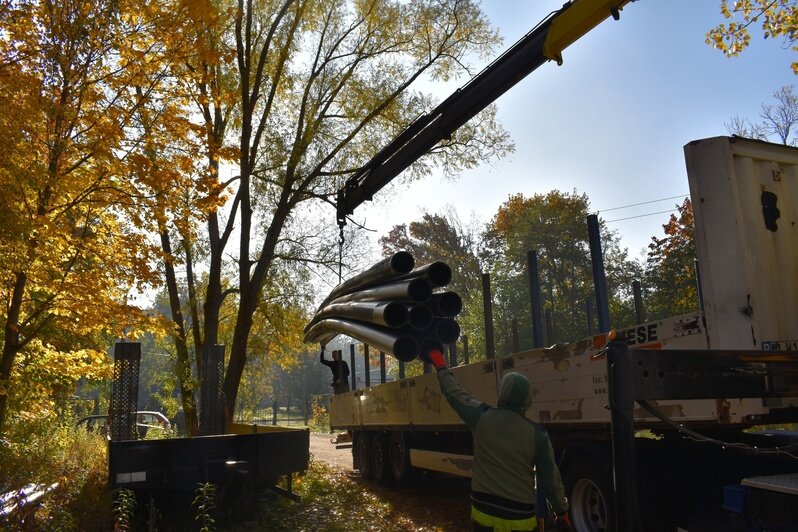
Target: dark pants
x=342, y=387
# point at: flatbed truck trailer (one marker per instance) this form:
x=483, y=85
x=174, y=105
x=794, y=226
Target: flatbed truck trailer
x=702, y=455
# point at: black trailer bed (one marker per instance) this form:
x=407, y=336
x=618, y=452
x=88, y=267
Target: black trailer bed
x=262, y=456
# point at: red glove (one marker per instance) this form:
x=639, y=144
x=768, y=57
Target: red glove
x=563, y=523
x=435, y=358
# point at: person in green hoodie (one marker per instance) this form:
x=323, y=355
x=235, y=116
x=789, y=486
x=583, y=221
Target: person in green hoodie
x=510, y=450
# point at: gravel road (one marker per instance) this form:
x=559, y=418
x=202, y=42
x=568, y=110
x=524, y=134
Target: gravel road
x=324, y=450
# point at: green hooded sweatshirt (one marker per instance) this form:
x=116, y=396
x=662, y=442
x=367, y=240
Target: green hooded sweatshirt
x=509, y=449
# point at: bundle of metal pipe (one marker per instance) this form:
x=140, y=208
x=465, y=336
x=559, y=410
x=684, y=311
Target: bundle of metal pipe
x=392, y=307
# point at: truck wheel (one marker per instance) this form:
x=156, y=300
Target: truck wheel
x=399, y=454
x=362, y=453
x=590, y=497
x=380, y=464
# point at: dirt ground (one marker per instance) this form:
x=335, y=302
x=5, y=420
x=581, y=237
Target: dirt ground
x=323, y=450
x=436, y=502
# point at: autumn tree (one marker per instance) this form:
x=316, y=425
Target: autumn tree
x=440, y=237
x=66, y=258
x=554, y=225
x=777, y=19
x=302, y=92
x=174, y=186
x=443, y=237
x=670, y=282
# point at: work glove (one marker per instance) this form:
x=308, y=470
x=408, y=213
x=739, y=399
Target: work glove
x=562, y=523
x=435, y=358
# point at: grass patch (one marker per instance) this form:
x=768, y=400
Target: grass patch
x=71, y=458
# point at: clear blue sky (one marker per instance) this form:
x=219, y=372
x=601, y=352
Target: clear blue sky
x=613, y=119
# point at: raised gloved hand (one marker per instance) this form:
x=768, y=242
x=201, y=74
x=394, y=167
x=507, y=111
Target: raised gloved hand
x=563, y=523
x=435, y=358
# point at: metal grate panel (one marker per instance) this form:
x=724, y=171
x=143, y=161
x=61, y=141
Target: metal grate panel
x=124, y=391
x=212, y=395
x=787, y=483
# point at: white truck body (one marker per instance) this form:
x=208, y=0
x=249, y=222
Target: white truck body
x=745, y=203
x=569, y=386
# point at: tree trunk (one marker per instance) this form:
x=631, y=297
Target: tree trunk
x=182, y=366
x=11, y=343
x=192, y=308
x=248, y=304
x=238, y=359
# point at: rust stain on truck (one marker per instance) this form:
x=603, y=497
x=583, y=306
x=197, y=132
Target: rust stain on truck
x=431, y=400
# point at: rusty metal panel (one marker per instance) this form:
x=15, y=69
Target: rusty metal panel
x=569, y=381
x=745, y=201
x=386, y=404
x=345, y=410
x=428, y=405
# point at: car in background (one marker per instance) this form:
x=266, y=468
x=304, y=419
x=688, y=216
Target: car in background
x=146, y=420
x=95, y=423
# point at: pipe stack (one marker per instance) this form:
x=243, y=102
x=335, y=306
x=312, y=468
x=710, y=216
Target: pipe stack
x=392, y=306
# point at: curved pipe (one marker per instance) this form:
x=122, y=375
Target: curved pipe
x=417, y=290
x=436, y=273
x=389, y=314
x=448, y=304
x=399, y=263
x=403, y=347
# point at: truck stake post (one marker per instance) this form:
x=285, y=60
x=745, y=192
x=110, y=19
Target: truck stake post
x=619, y=372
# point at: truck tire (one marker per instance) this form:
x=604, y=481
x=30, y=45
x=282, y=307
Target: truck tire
x=361, y=451
x=399, y=455
x=589, y=491
x=380, y=462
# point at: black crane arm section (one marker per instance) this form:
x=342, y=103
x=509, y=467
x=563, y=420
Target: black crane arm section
x=545, y=42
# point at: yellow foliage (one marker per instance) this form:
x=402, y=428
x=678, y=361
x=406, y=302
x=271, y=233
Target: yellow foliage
x=69, y=173
x=44, y=375
x=777, y=19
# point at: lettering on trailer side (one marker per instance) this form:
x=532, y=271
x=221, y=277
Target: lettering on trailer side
x=600, y=384
x=780, y=346
x=641, y=334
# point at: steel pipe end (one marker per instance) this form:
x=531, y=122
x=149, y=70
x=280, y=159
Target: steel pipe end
x=395, y=314
x=439, y=274
x=402, y=262
x=449, y=304
x=447, y=330
x=405, y=349
x=419, y=290
x=420, y=316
